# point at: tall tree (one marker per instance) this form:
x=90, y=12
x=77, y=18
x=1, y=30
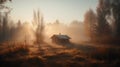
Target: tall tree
x=39, y=23
x=4, y=16
x=103, y=27
x=115, y=7
x=90, y=23
x=110, y=8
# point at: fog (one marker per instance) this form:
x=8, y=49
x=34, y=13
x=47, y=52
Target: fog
x=75, y=30
x=25, y=34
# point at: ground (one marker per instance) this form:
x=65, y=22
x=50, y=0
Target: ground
x=64, y=55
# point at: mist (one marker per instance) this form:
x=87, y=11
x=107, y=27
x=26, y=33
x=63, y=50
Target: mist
x=75, y=30
x=93, y=42
x=25, y=34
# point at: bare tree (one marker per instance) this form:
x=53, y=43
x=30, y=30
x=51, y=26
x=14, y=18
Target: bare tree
x=39, y=22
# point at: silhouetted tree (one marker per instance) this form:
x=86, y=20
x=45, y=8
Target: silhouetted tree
x=115, y=10
x=103, y=28
x=4, y=16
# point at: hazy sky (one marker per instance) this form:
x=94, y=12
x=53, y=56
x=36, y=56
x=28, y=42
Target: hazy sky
x=63, y=10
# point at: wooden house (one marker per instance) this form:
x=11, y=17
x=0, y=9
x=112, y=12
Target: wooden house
x=59, y=39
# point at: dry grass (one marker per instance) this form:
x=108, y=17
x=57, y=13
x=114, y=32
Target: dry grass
x=106, y=57
x=10, y=52
x=18, y=56
x=14, y=51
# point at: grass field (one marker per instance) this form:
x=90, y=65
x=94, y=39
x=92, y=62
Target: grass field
x=53, y=55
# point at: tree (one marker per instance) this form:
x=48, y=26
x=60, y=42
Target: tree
x=115, y=6
x=4, y=16
x=103, y=27
x=90, y=23
x=109, y=8
x=39, y=23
